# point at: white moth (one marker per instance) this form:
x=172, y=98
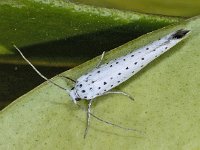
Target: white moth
x=102, y=79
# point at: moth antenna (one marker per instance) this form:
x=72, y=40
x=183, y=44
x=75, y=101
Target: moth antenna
x=110, y=123
x=37, y=71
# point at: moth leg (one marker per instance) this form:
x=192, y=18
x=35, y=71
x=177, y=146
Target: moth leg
x=102, y=56
x=88, y=118
x=120, y=92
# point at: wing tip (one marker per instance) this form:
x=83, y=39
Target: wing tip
x=180, y=33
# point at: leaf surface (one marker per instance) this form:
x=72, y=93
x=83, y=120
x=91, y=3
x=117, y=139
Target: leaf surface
x=166, y=105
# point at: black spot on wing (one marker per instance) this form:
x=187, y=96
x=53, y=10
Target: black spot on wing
x=180, y=33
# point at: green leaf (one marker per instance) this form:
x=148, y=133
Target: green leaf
x=67, y=33
x=166, y=105
x=185, y=8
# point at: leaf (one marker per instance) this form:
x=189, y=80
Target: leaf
x=67, y=33
x=185, y=8
x=166, y=105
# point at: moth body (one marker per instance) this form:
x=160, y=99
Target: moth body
x=107, y=76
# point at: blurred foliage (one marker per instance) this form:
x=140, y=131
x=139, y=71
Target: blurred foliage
x=17, y=80
x=186, y=8
x=68, y=33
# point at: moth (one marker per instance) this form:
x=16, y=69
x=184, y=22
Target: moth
x=104, y=78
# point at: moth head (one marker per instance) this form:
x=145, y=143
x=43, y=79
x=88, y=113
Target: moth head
x=75, y=97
